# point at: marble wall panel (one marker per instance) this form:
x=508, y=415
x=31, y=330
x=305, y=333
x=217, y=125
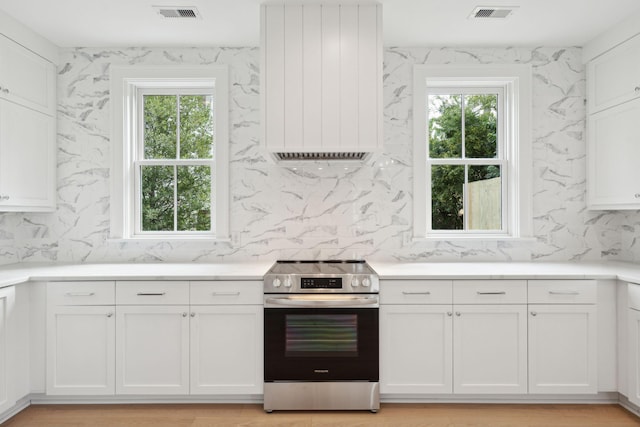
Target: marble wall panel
x=279, y=212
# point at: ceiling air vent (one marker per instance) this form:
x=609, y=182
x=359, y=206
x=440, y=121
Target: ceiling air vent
x=321, y=156
x=180, y=12
x=492, y=12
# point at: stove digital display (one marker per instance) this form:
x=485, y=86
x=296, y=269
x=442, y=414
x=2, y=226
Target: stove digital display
x=321, y=282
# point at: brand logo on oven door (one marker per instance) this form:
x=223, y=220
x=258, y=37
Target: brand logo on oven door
x=321, y=371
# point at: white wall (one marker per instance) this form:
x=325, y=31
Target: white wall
x=280, y=213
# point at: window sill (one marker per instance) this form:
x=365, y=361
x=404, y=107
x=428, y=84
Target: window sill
x=472, y=239
x=156, y=239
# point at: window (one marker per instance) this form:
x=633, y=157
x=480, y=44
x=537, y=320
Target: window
x=472, y=152
x=170, y=170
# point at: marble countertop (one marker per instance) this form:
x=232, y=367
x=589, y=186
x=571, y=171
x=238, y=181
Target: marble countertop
x=19, y=273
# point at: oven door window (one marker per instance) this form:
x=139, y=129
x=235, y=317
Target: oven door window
x=321, y=335
x=326, y=344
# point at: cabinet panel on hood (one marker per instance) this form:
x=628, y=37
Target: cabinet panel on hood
x=321, y=81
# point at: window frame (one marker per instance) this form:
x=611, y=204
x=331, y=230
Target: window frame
x=515, y=82
x=128, y=85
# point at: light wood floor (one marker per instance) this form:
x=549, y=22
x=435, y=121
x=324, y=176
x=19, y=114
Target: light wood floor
x=396, y=415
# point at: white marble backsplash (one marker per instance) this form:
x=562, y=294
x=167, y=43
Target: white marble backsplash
x=310, y=213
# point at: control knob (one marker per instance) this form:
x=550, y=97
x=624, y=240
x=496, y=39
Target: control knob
x=354, y=282
x=287, y=282
x=366, y=282
x=276, y=283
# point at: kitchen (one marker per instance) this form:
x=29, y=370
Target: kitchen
x=277, y=212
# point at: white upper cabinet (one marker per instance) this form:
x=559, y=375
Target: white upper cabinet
x=613, y=88
x=613, y=181
x=27, y=130
x=26, y=78
x=27, y=159
x=614, y=77
x=321, y=71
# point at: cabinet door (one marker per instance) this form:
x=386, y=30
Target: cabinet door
x=152, y=350
x=226, y=350
x=563, y=352
x=614, y=77
x=7, y=300
x=415, y=349
x=27, y=159
x=613, y=180
x=633, y=359
x=490, y=349
x=80, y=350
x=26, y=78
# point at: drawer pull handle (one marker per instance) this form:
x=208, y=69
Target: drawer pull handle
x=80, y=294
x=416, y=293
x=534, y=313
x=225, y=294
x=492, y=293
x=564, y=293
x=109, y=314
x=151, y=294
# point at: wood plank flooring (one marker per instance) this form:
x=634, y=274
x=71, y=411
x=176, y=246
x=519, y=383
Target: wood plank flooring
x=390, y=415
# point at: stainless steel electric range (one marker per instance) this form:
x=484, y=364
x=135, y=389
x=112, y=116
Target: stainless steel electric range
x=321, y=336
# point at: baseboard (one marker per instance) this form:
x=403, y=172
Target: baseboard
x=600, y=398
x=20, y=406
x=631, y=407
x=42, y=399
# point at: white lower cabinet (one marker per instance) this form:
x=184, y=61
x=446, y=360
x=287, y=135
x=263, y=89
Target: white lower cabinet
x=144, y=338
x=80, y=338
x=634, y=357
x=81, y=350
x=226, y=349
x=562, y=349
x=416, y=349
x=633, y=344
x=152, y=350
x=490, y=349
x=563, y=334
x=7, y=395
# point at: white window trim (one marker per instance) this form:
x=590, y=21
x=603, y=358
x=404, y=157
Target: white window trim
x=125, y=81
x=516, y=81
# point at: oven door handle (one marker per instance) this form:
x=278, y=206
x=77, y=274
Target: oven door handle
x=315, y=302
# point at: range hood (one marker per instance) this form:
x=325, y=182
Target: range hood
x=321, y=81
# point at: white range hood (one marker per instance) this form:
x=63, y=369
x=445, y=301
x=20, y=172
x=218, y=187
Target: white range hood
x=321, y=81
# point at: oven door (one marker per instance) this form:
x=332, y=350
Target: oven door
x=321, y=340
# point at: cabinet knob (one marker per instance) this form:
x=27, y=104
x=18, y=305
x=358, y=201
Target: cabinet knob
x=2, y=198
x=193, y=315
x=109, y=314
x=449, y=313
x=5, y=90
x=184, y=314
x=637, y=195
x=534, y=313
x=637, y=89
x=458, y=314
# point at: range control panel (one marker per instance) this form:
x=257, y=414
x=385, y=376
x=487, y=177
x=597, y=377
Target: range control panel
x=321, y=283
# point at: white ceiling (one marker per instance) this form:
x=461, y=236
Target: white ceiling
x=117, y=23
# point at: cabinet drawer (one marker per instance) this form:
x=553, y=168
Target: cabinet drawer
x=562, y=291
x=415, y=292
x=81, y=293
x=490, y=291
x=634, y=296
x=223, y=292
x=152, y=292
